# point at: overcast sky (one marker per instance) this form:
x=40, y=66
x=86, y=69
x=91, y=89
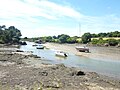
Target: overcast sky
x=52, y=17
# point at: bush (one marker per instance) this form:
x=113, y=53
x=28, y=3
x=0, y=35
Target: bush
x=94, y=41
x=25, y=38
x=101, y=42
x=112, y=42
x=118, y=41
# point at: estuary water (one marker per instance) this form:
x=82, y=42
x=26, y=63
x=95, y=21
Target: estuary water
x=106, y=67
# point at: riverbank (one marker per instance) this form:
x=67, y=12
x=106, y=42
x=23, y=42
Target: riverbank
x=18, y=72
x=100, y=53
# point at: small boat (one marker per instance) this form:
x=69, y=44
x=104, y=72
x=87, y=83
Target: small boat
x=61, y=53
x=40, y=47
x=34, y=45
x=82, y=49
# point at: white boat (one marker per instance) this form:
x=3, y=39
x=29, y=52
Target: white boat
x=34, y=45
x=40, y=47
x=82, y=49
x=61, y=53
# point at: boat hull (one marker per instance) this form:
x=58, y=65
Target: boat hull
x=82, y=49
x=61, y=54
x=34, y=45
x=40, y=47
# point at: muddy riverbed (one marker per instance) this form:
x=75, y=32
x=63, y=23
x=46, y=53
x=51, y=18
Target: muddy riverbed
x=96, y=52
x=17, y=72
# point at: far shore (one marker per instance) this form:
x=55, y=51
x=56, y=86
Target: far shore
x=100, y=53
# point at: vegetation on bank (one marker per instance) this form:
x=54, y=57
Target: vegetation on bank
x=10, y=35
x=63, y=38
x=107, y=39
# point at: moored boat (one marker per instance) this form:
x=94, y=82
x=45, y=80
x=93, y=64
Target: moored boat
x=34, y=45
x=40, y=47
x=82, y=49
x=61, y=53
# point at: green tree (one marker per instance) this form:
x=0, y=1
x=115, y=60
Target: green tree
x=86, y=38
x=102, y=35
x=54, y=37
x=14, y=34
x=72, y=40
x=94, y=35
x=63, y=38
x=48, y=39
x=9, y=35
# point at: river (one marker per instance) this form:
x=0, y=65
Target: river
x=106, y=67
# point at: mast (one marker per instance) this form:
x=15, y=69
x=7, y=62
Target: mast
x=79, y=30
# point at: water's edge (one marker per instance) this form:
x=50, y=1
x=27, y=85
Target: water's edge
x=105, y=67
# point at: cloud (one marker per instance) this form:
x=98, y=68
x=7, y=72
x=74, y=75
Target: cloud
x=43, y=8
x=45, y=17
x=99, y=24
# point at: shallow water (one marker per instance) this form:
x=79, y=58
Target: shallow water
x=106, y=67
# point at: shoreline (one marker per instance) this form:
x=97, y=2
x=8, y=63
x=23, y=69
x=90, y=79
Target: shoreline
x=18, y=71
x=99, y=53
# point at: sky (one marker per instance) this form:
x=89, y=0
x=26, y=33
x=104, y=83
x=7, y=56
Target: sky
x=36, y=18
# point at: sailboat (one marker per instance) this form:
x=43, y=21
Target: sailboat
x=81, y=48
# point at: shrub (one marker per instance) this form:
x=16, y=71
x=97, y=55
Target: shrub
x=112, y=42
x=94, y=41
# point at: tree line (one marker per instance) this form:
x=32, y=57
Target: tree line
x=86, y=38
x=97, y=39
x=63, y=38
x=109, y=34
x=10, y=35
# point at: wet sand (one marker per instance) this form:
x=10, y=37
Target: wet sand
x=100, y=53
x=18, y=73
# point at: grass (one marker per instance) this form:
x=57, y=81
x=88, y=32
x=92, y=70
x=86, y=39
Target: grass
x=106, y=38
x=79, y=39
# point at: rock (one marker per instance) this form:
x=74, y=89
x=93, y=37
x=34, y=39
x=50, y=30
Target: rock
x=18, y=50
x=23, y=43
x=80, y=73
x=44, y=73
x=3, y=60
x=118, y=45
x=77, y=73
x=51, y=84
x=106, y=44
x=61, y=66
x=35, y=56
x=56, y=84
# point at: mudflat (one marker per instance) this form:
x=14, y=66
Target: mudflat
x=17, y=72
x=96, y=52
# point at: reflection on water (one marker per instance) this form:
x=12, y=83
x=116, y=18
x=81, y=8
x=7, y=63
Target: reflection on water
x=107, y=67
x=60, y=58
